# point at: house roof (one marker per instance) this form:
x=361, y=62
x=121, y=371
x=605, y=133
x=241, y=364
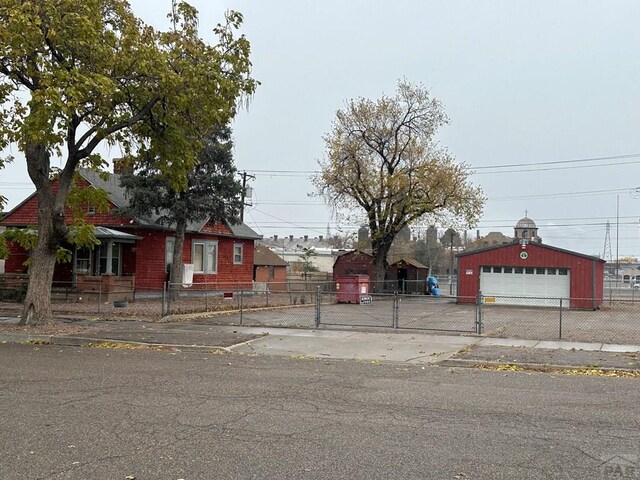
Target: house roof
x=265, y=257
x=117, y=195
x=537, y=244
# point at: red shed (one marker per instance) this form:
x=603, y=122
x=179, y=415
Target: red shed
x=510, y=273
x=355, y=262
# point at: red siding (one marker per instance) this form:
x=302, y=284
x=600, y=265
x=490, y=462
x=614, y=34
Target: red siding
x=216, y=228
x=17, y=257
x=150, y=260
x=355, y=262
x=539, y=255
x=278, y=282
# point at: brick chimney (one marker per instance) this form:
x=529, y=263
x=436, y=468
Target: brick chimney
x=122, y=165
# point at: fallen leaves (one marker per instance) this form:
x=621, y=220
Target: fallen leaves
x=128, y=346
x=594, y=372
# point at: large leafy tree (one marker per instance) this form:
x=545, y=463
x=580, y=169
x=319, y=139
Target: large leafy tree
x=212, y=192
x=76, y=74
x=382, y=159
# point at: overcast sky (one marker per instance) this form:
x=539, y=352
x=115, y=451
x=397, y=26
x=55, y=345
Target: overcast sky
x=523, y=82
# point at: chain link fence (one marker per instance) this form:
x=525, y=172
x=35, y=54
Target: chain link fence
x=312, y=304
x=614, y=321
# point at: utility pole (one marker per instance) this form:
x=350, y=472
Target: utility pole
x=245, y=175
x=451, y=265
x=617, y=239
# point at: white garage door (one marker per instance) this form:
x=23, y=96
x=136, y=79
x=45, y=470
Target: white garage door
x=517, y=285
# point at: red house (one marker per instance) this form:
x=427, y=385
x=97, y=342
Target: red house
x=531, y=273
x=135, y=253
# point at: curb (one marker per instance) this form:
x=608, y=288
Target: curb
x=543, y=367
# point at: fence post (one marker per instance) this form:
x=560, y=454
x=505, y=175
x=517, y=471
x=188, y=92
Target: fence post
x=241, y=301
x=396, y=311
x=206, y=299
x=164, y=298
x=169, y=298
x=610, y=295
x=560, y=323
x=99, y=297
x=318, y=300
x=479, y=326
x=267, y=293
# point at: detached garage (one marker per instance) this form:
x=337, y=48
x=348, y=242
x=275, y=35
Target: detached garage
x=518, y=272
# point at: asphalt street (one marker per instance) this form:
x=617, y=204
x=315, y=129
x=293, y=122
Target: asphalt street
x=78, y=413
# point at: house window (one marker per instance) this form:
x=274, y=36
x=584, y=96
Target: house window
x=83, y=261
x=103, y=257
x=272, y=272
x=237, y=253
x=204, y=256
x=91, y=210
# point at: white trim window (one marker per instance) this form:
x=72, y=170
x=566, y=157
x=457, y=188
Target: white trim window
x=237, y=253
x=204, y=256
x=168, y=252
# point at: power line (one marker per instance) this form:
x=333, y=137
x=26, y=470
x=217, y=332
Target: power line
x=559, y=162
x=487, y=167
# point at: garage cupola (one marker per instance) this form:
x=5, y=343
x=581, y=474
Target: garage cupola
x=526, y=229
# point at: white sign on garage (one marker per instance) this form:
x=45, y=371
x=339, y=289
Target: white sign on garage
x=512, y=285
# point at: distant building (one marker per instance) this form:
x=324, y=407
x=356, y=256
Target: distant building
x=291, y=249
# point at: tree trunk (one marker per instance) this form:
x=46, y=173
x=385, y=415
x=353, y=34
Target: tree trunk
x=177, y=267
x=51, y=232
x=380, y=250
x=37, y=303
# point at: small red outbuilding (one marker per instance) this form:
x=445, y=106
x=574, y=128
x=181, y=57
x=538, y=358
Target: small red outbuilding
x=531, y=273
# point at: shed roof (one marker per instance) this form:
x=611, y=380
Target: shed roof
x=264, y=257
x=411, y=261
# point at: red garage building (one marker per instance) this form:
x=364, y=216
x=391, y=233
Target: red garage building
x=524, y=270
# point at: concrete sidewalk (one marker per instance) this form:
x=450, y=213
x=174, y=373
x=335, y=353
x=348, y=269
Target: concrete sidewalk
x=418, y=348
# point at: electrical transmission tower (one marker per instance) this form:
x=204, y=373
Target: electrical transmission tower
x=606, y=253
